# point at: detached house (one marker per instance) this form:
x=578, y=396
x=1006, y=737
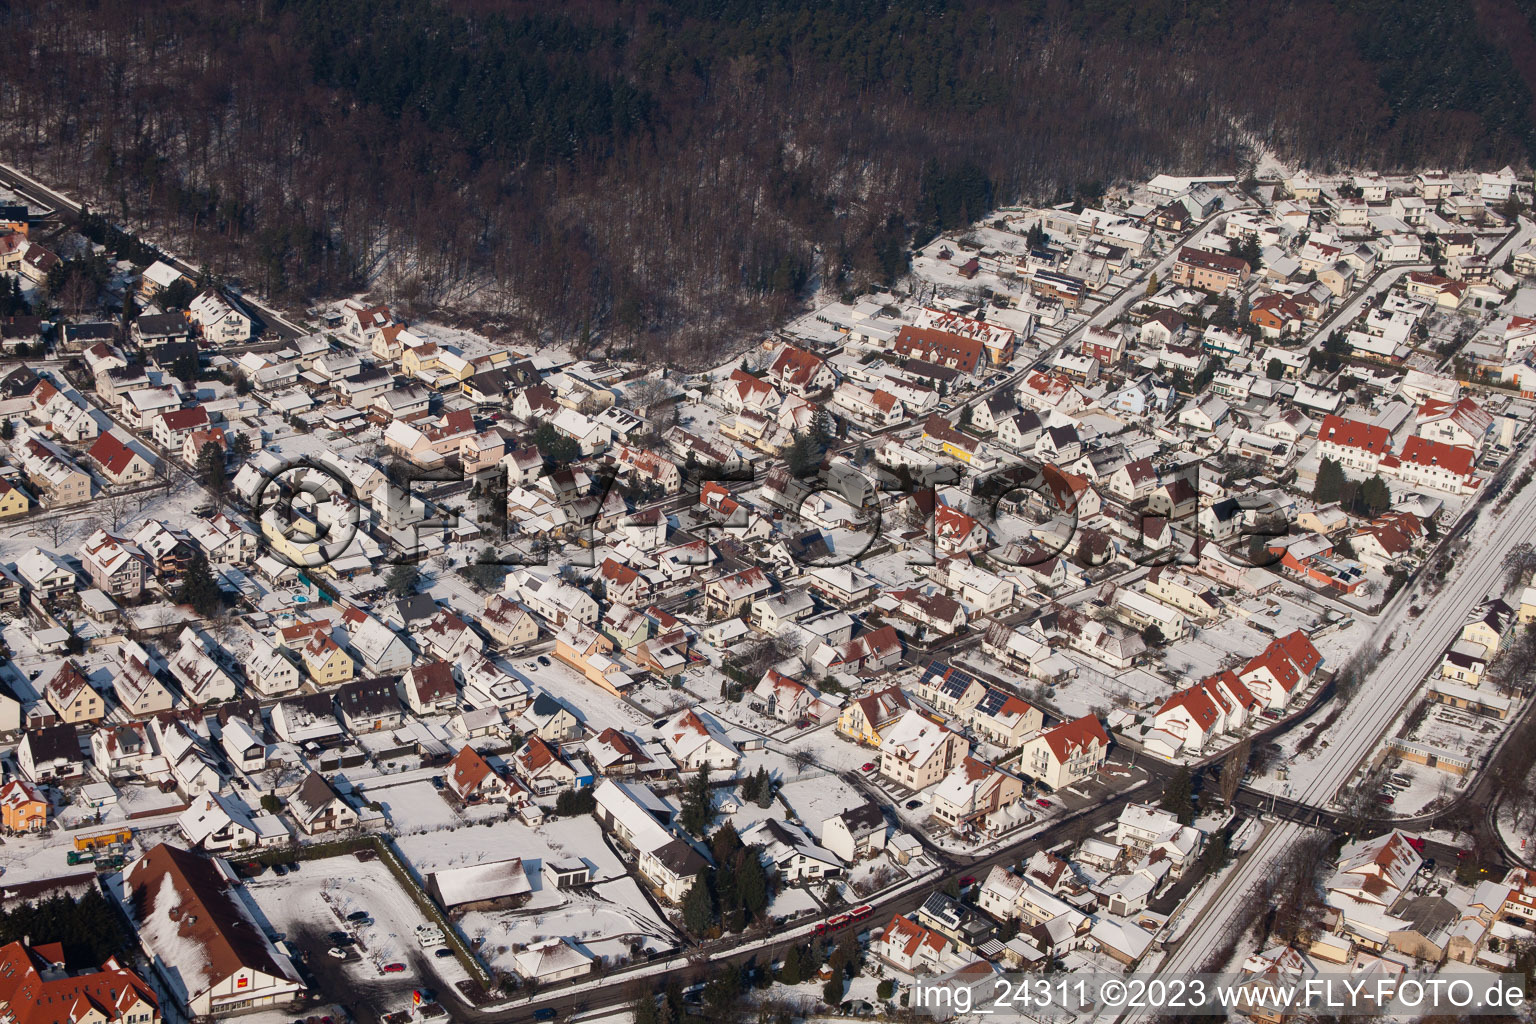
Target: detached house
x=917, y=752
x=798, y=372
x=114, y=564
x=471, y=778
x=139, y=690
x=693, y=739
x=317, y=808
x=430, y=688
x=72, y=697
x=1066, y=754
x=121, y=463
x=325, y=661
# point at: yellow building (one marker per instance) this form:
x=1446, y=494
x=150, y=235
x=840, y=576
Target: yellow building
x=863, y=719
x=419, y=358
x=71, y=695
x=587, y=651
x=13, y=500
x=326, y=663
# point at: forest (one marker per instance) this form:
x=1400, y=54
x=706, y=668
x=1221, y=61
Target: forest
x=661, y=177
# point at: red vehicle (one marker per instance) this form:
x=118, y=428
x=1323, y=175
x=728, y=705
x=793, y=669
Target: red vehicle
x=967, y=881
x=394, y=968
x=1042, y=801
x=840, y=921
x=1416, y=843
x=867, y=766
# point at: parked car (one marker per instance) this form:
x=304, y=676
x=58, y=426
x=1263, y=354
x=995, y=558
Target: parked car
x=339, y=938
x=443, y=952
x=394, y=968
x=867, y=766
x=337, y=952
x=1043, y=802
x=547, y=1013
x=437, y=782
x=278, y=869
x=913, y=805
x=544, y=660
x=358, y=915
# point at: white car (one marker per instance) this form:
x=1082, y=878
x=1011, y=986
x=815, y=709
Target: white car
x=337, y=952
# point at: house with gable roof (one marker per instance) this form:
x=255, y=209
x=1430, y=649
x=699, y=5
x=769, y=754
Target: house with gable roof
x=429, y=688
x=1065, y=754
x=36, y=987
x=72, y=697
x=908, y=946
x=1284, y=668
x=1214, y=706
x=972, y=790
x=917, y=751
x=472, y=779
x=197, y=931
x=317, y=808
x=693, y=739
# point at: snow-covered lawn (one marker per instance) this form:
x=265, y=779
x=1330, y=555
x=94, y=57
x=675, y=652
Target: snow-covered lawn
x=817, y=797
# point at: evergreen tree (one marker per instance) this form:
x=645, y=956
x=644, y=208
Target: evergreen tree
x=644, y=1010
x=697, y=808
x=725, y=843
x=790, y=973
x=832, y=991
x=846, y=957
x=1330, y=481
x=210, y=468
x=749, y=787
x=7, y=429
x=198, y=587
x=765, y=789
x=402, y=579
x=1373, y=497
x=1153, y=284
x=1178, y=795
x=1275, y=370
x=752, y=882
x=724, y=988
x=699, y=906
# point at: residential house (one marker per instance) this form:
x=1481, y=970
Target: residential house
x=1066, y=754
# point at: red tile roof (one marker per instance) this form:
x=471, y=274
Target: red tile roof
x=1354, y=434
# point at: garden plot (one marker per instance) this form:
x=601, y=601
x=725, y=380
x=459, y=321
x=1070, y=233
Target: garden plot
x=611, y=920
x=412, y=805
x=816, y=798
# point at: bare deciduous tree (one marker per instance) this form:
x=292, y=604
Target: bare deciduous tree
x=1233, y=768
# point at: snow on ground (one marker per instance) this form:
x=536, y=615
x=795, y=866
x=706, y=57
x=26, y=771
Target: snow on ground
x=578, y=837
x=412, y=806
x=792, y=901
x=595, y=707
x=324, y=892
x=816, y=797
x=610, y=920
